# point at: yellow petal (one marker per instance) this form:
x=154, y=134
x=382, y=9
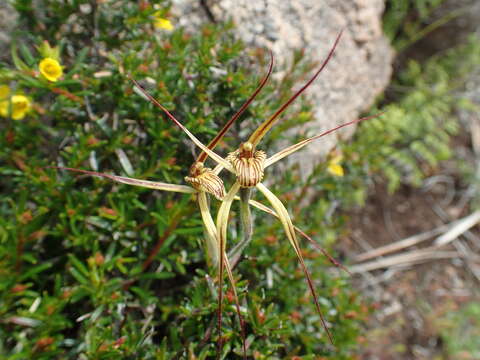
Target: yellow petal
x=266, y=209
x=210, y=229
x=291, y=149
x=20, y=106
x=50, y=69
x=4, y=108
x=142, y=92
x=335, y=169
x=161, y=23
x=213, y=239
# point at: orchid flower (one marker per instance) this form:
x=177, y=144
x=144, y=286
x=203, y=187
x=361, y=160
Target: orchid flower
x=249, y=165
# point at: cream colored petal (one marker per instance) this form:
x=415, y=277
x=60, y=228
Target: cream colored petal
x=218, y=169
x=290, y=231
x=212, y=243
x=291, y=149
x=266, y=209
x=223, y=212
x=135, y=182
x=220, y=243
x=197, y=142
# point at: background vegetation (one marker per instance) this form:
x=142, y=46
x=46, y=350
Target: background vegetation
x=90, y=269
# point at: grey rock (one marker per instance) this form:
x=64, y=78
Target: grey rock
x=8, y=21
x=358, y=72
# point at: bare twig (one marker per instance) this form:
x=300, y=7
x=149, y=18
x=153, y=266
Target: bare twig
x=399, y=245
x=408, y=258
x=460, y=228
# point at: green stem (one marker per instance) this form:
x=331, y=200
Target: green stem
x=247, y=225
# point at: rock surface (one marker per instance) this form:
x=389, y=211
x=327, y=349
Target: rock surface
x=358, y=72
x=8, y=21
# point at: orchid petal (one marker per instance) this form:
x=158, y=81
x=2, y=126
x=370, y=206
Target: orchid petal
x=266, y=209
x=291, y=149
x=221, y=133
x=222, y=222
x=135, y=182
x=290, y=231
x=210, y=228
x=192, y=137
x=262, y=130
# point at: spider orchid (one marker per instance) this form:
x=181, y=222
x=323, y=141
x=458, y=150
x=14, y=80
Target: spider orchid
x=206, y=181
x=249, y=165
x=201, y=178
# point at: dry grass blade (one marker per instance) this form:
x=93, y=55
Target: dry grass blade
x=407, y=258
x=290, y=231
x=261, y=131
x=291, y=149
x=401, y=244
x=459, y=228
x=192, y=137
x=135, y=182
x=202, y=157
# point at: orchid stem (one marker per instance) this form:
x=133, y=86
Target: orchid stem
x=247, y=225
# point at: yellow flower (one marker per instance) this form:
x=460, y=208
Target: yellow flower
x=162, y=23
x=334, y=166
x=50, y=69
x=20, y=105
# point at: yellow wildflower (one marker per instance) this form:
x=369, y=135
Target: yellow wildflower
x=50, y=69
x=20, y=105
x=334, y=167
x=162, y=23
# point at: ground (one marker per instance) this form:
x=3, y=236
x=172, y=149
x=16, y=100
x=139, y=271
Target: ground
x=419, y=306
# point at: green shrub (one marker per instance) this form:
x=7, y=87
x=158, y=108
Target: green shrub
x=91, y=269
x=77, y=278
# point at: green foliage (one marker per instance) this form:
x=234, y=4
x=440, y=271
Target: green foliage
x=460, y=329
x=414, y=134
x=80, y=276
x=405, y=22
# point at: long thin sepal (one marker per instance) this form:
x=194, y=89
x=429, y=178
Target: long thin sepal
x=222, y=222
x=291, y=149
x=135, y=182
x=290, y=231
x=211, y=230
x=262, y=130
x=234, y=118
x=213, y=240
x=192, y=137
x=330, y=258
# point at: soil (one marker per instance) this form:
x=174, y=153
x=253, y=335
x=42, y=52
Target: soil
x=414, y=301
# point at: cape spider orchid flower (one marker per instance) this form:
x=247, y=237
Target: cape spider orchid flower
x=203, y=178
x=249, y=165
